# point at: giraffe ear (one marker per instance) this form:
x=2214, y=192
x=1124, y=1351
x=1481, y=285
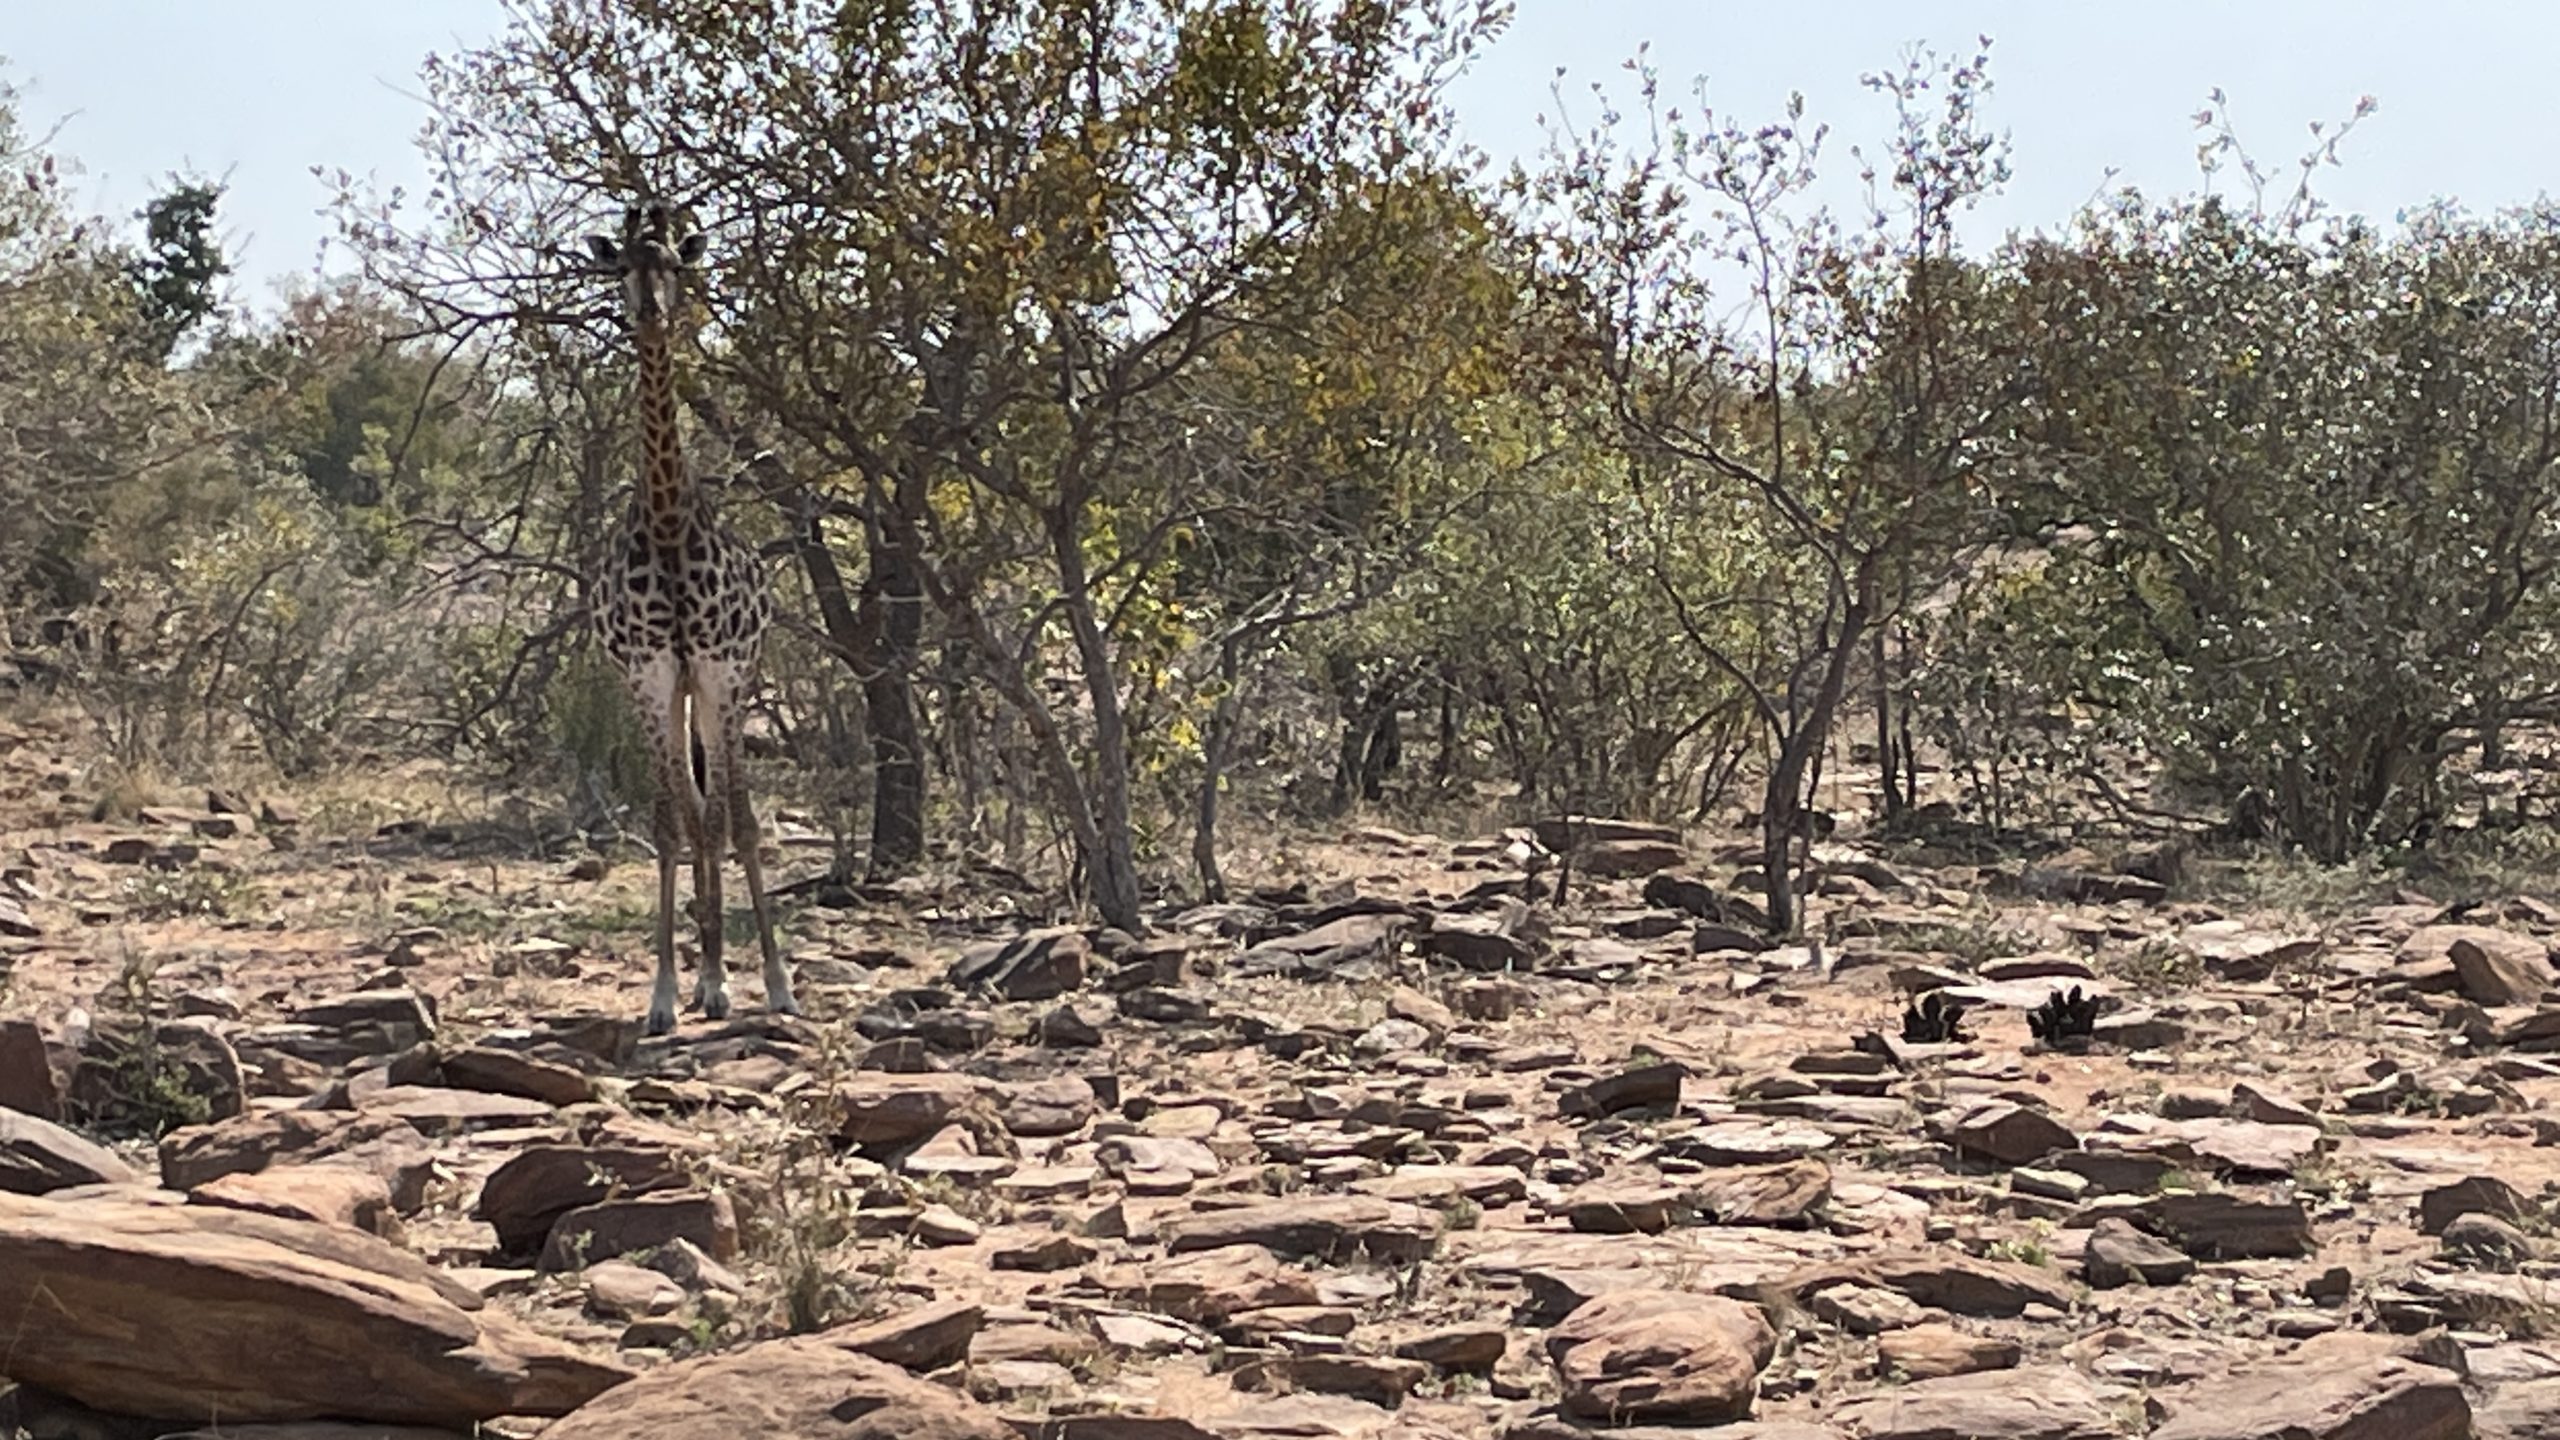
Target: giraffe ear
x=689, y=250
x=605, y=251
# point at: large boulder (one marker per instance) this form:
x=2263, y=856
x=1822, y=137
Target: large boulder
x=1647, y=1355
x=201, y=1314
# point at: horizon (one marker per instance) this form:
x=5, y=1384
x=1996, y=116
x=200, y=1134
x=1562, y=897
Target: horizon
x=139, y=93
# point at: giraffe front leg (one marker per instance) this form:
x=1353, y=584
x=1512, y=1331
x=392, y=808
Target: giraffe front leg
x=654, y=683
x=712, y=987
x=662, y=991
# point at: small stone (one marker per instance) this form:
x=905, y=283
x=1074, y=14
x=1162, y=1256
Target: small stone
x=2118, y=1254
x=38, y=1157
x=620, y=1290
x=1627, y=1207
x=2497, y=967
x=1062, y=1105
x=2486, y=1240
x=943, y=1226
x=1392, y=1037
x=1492, y=999
x=1066, y=1028
x=1793, y=1195
x=1376, y=1379
x=2007, y=1133
x=923, y=1339
x=1866, y=1309
x=1931, y=1352
x=1046, y=1253
x=1643, y=1087
x=2256, y=1102
x=2470, y=1195
x=618, y=1227
x=1039, y=965
x=1458, y=1349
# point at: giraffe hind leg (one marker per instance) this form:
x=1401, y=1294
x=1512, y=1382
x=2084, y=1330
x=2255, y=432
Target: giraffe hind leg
x=711, y=985
x=749, y=839
x=720, y=724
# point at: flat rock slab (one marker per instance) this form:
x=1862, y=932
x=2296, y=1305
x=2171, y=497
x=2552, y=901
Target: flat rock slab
x=2211, y=1225
x=804, y=1388
x=1326, y=1228
x=329, y=1194
x=611, y=1228
x=1548, y=1425
x=436, y=1110
x=1945, y=1280
x=37, y=1156
x=2350, y=1386
x=385, y=1144
x=2521, y=1410
x=1561, y=1271
x=512, y=1072
x=148, y=1307
x=2233, y=1147
x=2024, y=994
x=1212, y=1284
x=2044, y=1402
x=1437, y=1184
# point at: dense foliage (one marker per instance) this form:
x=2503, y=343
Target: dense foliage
x=1149, y=408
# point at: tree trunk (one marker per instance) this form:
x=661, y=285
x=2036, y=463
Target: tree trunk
x=1783, y=800
x=893, y=619
x=1889, y=757
x=1217, y=749
x=1444, y=759
x=1111, y=861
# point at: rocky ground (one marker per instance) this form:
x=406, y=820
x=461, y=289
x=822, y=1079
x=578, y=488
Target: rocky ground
x=1397, y=1151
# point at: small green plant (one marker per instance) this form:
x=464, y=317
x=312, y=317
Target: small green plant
x=180, y=894
x=138, y=1087
x=1462, y=1213
x=1972, y=941
x=2156, y=966
x=2024, y=1251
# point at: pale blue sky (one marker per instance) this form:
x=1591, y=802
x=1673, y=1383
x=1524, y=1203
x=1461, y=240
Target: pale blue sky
x=261, y=90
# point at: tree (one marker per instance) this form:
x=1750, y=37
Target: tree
x=181, y=265
x=89, y=408
x=966, y=251
x=1845, y=424
x=2311, y=470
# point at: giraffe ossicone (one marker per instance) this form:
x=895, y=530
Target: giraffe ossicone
x=681, y=606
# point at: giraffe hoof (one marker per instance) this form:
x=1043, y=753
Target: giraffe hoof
x=715, y=1005
x=782, y=1005
x=662, y=1020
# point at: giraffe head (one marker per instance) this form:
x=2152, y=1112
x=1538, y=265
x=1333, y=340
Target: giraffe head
x=652, y=268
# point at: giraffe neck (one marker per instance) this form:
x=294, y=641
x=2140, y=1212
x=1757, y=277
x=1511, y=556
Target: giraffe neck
x=666, y=498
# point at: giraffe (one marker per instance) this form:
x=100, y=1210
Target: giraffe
x=681, y=607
